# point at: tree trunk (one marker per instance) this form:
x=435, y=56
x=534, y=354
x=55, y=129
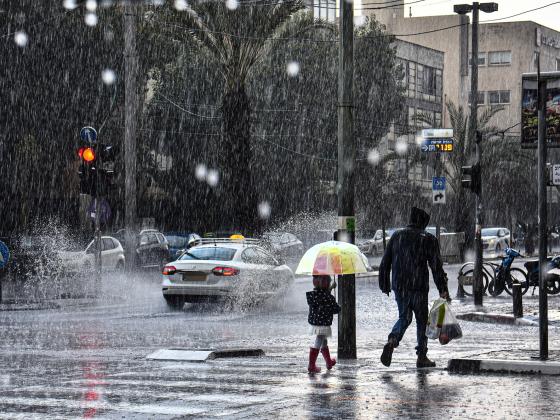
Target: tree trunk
x=238, y=204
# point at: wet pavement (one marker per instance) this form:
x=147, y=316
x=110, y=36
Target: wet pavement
x=87, y=358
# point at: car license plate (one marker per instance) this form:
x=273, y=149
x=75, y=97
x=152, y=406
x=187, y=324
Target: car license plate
x=194, y=277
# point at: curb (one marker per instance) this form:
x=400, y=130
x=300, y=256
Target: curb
x=535, y=367
x=188, y=355
x=496, y=319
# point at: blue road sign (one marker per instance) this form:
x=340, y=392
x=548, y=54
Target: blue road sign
x=4, y=254
x=438, y=183
x=88, y=134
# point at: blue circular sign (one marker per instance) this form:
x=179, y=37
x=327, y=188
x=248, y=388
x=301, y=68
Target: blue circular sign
x=88, y=134
x=4, y=254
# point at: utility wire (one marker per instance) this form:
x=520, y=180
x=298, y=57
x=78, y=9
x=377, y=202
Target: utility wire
x=184, y=109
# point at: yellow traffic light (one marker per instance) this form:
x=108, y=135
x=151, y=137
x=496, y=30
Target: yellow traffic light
x=87, y=154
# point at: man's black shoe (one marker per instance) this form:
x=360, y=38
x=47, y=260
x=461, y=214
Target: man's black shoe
x=387, y=354
x=424, y=362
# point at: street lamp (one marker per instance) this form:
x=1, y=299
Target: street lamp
x=474, y=136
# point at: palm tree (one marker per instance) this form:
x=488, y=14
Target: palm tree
x=235, y=41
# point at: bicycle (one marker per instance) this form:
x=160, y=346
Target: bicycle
x=466, y=275
x=505, y=275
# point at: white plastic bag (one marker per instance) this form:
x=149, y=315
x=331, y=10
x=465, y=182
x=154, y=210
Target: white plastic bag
x=442, y=324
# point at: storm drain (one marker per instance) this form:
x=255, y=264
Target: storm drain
x=188, y=355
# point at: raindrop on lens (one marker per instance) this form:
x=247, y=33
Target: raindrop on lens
x=200, y=172
x=212, y=177
x=181, y=5
x=232, y=4
x=21, y=38
x=70, y=4
x=264, y=209
x=401, y=147
x=359, y=20
x=91, y=5
x=292, y=68
x=109, y=76
x=373, y=157
x=91, y=19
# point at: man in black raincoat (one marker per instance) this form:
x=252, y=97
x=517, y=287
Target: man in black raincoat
x=404, y=269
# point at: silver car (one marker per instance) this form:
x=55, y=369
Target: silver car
x=224, y=268
x=374, y=246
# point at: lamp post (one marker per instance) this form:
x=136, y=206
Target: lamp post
x=474, y=138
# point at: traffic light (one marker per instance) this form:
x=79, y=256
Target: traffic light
x=471, y=178
x=87, y=171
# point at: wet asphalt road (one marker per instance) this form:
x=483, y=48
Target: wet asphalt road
x=87, y=359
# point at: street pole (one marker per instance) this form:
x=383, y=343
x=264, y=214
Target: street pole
x=542, y=179
x=345, y=187
x=473, y=128
x=98, y=261
x=130, y=131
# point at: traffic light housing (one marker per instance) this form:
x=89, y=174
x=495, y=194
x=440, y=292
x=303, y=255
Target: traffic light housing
x=97, y=166
x=471, y=178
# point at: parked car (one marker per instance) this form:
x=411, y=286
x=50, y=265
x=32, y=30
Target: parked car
x=178, y=241
x=495, y=239
x=151, y=250
x=224, y=268
x=432, y=230
x=374, y=246
x=34, y=255
x=283, y=244
x=77, y=259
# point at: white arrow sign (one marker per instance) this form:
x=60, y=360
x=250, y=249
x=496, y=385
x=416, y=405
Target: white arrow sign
x=438, y=196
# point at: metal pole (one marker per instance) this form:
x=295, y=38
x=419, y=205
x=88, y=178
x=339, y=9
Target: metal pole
x=542, y=179
x=98, y=261
x=517, y=300
x=345, y=187
x=131, y=107
x=473, y=128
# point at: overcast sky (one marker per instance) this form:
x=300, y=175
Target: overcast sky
x=549, y=16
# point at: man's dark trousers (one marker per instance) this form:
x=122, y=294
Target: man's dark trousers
x=409, y=303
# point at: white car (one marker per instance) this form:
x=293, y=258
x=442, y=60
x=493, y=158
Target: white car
x=75, y=259
x=495, y=240
x=224, y=268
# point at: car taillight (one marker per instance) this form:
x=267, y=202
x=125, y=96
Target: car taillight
x=225, y=271
x=168, y=270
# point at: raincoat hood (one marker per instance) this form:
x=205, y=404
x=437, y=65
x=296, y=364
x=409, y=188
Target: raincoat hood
x=419, y=218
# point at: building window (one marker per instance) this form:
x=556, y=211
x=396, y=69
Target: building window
x=481, y=98
x=558, y=64
x=411, y=75
x=498, y=97
x=481, y=59
x=324, y=9
x=412, y=117
x=428, y=81
x=498, y=58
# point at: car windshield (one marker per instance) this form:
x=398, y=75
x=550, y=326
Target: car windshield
x=177, y=241
x=490, y=232
x=210, y=253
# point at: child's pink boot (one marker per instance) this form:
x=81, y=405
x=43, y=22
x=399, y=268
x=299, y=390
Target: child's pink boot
x=312, y=367
x=327, y=355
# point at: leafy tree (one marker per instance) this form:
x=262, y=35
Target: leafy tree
x=235, y=41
